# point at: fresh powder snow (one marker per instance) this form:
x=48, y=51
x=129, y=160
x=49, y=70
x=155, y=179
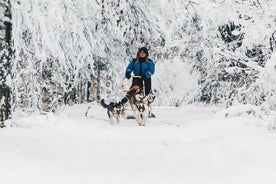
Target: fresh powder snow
x=191, y=144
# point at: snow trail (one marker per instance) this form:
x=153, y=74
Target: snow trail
x=182, y=145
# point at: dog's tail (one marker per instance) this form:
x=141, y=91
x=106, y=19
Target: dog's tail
x=103, y=103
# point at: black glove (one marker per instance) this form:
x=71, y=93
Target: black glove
x=127, y=75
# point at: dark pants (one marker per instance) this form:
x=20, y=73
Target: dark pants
x=139, y=82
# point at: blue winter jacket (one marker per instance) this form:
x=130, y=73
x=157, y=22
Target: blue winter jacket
x=148, y=68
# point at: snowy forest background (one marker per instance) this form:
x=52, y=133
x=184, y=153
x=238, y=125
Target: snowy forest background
x=56, y=52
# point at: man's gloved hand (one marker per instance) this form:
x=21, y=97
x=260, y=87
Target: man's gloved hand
x=127, y=75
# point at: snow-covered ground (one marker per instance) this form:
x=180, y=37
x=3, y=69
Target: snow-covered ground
x=190, y=145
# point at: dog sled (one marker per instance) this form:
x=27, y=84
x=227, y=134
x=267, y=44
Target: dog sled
x=139, y=104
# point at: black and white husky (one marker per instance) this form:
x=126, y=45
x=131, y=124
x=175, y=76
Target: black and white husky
x=140, y=110
x=142, y=107
x=114, y=110
x=149, y=99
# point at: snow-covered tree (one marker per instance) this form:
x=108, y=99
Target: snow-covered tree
x=5, y=59
x=69, y=51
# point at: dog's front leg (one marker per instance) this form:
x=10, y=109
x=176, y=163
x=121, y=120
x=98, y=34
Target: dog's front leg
x=111, y=117
x=117, y=117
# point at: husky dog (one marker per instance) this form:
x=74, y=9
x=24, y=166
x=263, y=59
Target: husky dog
x=140, y=109
x=149, y=99
x=141, y=113
x=114, y=110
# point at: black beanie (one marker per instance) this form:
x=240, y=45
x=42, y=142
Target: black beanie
x=144, y=49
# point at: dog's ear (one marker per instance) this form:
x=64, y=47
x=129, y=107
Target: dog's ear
x=152, y=95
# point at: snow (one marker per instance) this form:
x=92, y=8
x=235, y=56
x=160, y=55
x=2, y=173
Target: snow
x=191, y=144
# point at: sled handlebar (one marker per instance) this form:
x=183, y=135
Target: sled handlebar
x=138, y=77
x=134, y=76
